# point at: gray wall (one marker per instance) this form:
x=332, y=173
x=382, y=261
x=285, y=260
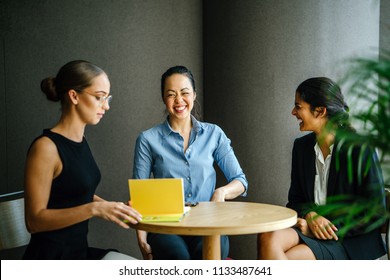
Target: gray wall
x=133, y=41
x=256, y=54
x=384, y=43
x=384, y=40
x=250, y=56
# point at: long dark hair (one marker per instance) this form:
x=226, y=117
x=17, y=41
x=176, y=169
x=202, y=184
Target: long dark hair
x=182, y=70
x=323, y=92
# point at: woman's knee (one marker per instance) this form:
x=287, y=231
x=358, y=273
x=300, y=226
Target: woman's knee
x=275, y=239
x=224, y=247
x=267, y=238
x=168, y=247
x=284, y=239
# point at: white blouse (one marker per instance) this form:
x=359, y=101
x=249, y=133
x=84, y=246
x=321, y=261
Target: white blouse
x=322, y=175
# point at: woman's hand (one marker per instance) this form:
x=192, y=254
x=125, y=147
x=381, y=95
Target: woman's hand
x=303, y=227
x=321, y=227
x=117, y=212
x=229, y=191
x=218, y=195
x=145, y=248
x=146, y=251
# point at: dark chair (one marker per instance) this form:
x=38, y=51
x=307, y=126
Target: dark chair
x=386, y=226
x=13, y=233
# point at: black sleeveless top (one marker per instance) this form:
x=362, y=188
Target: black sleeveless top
x=75, y=186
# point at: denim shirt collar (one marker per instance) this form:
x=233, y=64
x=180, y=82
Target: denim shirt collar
x=196, y=126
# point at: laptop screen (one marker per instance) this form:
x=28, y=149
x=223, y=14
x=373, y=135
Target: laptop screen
x=157, y=196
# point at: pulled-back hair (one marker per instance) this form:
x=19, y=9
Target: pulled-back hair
x=77, y=75
x=323, y=92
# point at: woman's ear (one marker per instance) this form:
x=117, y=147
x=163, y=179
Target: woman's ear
x=320, y=112
x=73, y=96
x=194, y=95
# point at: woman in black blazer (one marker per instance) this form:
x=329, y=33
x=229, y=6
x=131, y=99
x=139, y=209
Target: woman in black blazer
x=319, y=174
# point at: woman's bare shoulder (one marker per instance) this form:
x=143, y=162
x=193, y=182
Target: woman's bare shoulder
x=43, y=147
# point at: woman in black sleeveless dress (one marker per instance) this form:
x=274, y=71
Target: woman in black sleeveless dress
x=61, y=175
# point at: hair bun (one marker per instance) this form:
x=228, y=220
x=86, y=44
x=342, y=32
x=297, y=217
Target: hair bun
x=49, y=89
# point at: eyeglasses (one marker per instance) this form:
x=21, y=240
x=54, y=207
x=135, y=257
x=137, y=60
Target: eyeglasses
x=101, y=99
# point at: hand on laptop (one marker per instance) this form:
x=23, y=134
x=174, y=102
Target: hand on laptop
x=117, y=212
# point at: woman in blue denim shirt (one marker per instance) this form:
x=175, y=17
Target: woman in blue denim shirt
x=183, y=147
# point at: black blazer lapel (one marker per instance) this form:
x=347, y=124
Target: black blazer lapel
x=310, y=167
x=333, y=175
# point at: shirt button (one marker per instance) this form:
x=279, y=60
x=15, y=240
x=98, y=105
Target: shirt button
x=186, y=162
x=189, y=195
x=188, y=179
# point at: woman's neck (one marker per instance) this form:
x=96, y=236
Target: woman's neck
x=183, y=126
x=325, y=139
x=70, y=128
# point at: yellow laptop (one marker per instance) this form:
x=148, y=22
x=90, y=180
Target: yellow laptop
x=158, y=200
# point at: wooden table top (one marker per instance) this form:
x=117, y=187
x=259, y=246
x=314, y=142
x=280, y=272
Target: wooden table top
x=226, y=218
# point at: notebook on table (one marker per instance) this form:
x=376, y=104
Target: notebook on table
x=158, y=200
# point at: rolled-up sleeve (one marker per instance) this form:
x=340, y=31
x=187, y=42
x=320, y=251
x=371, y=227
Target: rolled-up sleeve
x=228, y=162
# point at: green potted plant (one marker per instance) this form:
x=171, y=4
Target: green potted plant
x=368, y=85
x=368, y=81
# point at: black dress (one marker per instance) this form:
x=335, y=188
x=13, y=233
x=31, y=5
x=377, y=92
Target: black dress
x=75, y=186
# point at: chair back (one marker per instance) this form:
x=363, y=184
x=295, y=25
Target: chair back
x=13, y=231
x=386, y=227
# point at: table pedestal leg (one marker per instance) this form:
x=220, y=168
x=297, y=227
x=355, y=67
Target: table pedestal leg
x=212, y=247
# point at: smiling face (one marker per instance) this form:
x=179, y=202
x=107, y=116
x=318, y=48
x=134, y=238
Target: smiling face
x=179, y=96
x=308, y=120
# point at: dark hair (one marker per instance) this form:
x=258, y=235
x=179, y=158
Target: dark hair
x=77, y=75
x=182, y=70
x=323, y=92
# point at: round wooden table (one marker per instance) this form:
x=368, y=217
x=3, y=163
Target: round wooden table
x=213, y=219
